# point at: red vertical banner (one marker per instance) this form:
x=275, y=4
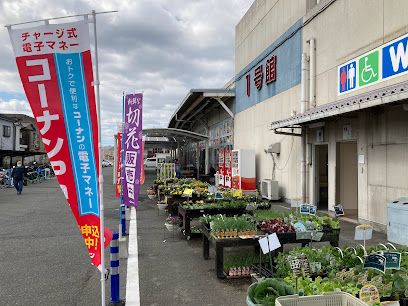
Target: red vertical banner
x=55, y=66
x=119, y=166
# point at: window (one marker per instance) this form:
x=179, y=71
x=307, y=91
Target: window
x=6, y=131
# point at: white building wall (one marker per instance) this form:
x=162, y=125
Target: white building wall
x=387, y=160
x=6, y=143
x=251, y=132
x=264, y=22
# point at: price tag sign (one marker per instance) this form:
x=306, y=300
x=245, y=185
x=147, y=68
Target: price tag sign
x=338, y=210
x=218, y=196
x=393, y=260
x=188, y=192
x=299, y=265
x=305, y=209
x=312, y=210
x=363, y=232
x=376, y=262
x=369, y=294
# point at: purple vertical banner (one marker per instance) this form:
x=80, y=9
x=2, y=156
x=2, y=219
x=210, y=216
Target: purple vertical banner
x=132, y=146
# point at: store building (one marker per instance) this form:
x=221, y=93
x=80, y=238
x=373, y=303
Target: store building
x=328, y=81
x=206, y=112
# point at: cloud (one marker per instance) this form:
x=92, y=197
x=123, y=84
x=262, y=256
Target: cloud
x=14, y=106
x=164, y=48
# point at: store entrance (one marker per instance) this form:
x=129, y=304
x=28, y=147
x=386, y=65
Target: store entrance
x=322, y=181
x=346, y=178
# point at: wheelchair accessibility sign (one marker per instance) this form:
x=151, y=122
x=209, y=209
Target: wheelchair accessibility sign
x=385, y=62
x=368, y=69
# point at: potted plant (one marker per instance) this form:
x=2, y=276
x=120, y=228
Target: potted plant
x=151, y=194
x=172, y=222
x=161, y=205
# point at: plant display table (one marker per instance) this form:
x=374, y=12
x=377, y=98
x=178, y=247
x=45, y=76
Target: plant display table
x=220, y=244
x=187, y=214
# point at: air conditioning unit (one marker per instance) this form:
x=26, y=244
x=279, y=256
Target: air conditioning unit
x=270, y=189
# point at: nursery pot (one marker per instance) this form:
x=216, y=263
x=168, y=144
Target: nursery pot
x=170, y=227
x=161, y=206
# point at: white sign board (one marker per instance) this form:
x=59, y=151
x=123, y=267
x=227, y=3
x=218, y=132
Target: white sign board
x=269, y=243
x=363, y=232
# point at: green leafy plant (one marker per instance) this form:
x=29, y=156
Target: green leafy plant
x=343, y=271
x=266, y=291
x=264, y=215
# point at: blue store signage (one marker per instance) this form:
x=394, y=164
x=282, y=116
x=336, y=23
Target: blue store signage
x=385, y=62
x=275, y=70
x=395, y=58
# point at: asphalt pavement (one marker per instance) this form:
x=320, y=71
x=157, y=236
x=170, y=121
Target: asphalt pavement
x=43, y=259
x=172, y=270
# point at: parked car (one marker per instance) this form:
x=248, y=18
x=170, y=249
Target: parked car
x=150, y=163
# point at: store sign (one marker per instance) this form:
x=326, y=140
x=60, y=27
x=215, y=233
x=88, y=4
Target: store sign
x=385, y=62
x=270, y=72
x=55, y=66
x=275, y=70
x=132, y=148
x=221, y=134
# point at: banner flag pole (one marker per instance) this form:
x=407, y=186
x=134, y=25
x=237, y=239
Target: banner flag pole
x=101, y=206
x=121, y=168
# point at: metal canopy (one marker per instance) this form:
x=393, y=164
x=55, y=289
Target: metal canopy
x=382, y=96
x=199, y=102
x=170, y=137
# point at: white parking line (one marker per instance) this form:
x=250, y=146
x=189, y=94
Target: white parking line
x=132, y=284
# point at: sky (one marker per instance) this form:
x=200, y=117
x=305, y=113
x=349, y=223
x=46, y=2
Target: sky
x=163, y=48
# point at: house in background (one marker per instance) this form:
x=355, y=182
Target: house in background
x=20, y=140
